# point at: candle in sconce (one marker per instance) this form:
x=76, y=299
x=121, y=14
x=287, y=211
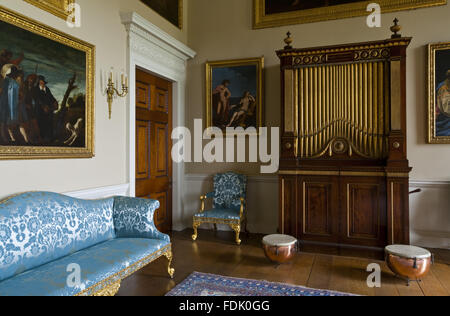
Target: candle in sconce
x=113, y=84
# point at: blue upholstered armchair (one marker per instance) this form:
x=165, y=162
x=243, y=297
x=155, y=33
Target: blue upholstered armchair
x=229, y=204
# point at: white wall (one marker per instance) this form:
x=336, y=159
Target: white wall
x=102, y=27
x=430, y=214
x=224, y=31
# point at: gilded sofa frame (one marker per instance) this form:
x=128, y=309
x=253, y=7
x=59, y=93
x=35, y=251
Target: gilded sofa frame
x=111, y=285
x=235, y=224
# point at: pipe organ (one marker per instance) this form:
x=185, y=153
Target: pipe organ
x=344, y=173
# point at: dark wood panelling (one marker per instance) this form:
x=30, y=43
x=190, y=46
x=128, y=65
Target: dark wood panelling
x=142, y=150
x=142, y=95
x=363, y=217
x=162, y=99
x=364, y=204
x=161, y=215
x=398, y=232
x=153, y=159
x=288, y=216
x=317, y=209
x=162, y=148
x=318, y=217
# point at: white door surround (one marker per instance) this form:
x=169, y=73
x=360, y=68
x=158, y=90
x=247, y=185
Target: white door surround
x=153, y=50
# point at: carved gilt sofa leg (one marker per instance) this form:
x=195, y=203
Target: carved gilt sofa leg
x=195, y=226
x=110, y=290
x=237, y=230
x=169, y=257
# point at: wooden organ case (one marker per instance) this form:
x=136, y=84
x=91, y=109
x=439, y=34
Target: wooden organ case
x=344, y=172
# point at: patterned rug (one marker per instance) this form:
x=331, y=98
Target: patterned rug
x=201, y=284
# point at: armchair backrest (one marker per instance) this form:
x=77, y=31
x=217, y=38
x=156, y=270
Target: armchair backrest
x=228, y=189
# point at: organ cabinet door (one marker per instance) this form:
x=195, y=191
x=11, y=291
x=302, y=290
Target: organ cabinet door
x=318, y=216
x=344, y=170
x=363, y=206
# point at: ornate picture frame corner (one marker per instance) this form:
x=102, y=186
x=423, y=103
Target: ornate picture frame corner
x=432, y=66
x=59, y=8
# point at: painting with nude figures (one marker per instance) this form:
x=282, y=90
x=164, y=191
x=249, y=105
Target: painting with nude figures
x=234, y=93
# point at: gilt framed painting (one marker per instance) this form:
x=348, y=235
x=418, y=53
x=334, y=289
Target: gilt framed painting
x=273, y=13
x=439, y=93
x=46, y=91
x=234, y=93
x=60, y=8
x=171, y=10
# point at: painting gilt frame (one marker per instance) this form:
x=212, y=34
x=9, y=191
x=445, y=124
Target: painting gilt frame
x=258, y=64
x=23, y=23
x=60, y=8
x=264, y=20
x=436, y=78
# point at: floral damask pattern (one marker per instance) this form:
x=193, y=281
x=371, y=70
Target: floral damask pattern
x=133, y=218
x=39, y=227
x=228, y=189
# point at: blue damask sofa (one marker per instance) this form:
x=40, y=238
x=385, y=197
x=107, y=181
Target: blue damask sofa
x=54, y=245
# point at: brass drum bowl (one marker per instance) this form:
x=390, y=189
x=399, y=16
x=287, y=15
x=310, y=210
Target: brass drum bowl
x=280, y=248
x=409, y=262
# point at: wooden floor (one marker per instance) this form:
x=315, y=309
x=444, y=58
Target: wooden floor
x=214, y=252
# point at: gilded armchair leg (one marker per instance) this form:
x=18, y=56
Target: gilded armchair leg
x=237, y=230
x=110, y=290
x=195, y=226
x=169, y=257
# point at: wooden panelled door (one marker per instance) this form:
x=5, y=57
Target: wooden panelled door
x=153, y=144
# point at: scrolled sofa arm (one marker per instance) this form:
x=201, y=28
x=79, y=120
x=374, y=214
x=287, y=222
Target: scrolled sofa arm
x=133, y=218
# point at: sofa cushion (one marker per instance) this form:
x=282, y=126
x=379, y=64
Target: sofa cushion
x=117, y=258
x=39, y=227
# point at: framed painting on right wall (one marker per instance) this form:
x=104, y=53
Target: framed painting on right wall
x=439, y=93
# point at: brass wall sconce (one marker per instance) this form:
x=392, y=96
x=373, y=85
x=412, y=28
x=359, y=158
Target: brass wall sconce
x=112, y=91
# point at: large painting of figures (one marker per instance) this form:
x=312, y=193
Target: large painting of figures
x=234, y=93
x=171, y=10
x=46, y=91
x=273, y=13
x=439, y=93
